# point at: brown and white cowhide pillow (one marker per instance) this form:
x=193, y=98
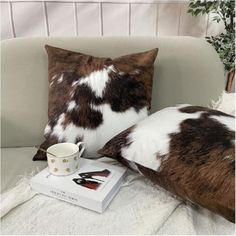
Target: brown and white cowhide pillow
x=188, y=150
x=92, y=99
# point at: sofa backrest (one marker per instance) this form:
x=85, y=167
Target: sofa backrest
x=187, y=70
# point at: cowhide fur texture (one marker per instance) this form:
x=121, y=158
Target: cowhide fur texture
x=92, y=99
x=188, y=150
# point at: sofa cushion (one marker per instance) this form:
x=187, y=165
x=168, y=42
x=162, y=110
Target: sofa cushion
x=188, y=150
x=92, y=99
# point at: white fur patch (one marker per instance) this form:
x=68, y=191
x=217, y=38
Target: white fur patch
x=96, y=108
x=58, y=129
x=96, y=80
x=228, y=158
x=60, y=79
x=75, y=83
x=69, y=134
x=72, y=93
x=151, y=136
x=52, y=80
x=71, y=105
x=47, y=129
x=121, y=73
x=54, y=77
x=113, y=123
x=110, y=69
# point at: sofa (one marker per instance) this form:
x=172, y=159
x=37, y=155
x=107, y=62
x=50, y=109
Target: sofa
x=187, y=70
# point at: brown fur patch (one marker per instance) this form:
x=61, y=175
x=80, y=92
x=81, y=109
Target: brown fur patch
x=124, y=92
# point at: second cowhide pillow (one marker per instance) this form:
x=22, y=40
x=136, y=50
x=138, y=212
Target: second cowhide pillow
x=188, y=150
x=92, y=99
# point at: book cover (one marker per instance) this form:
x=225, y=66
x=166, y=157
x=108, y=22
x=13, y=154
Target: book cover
x=93, y=186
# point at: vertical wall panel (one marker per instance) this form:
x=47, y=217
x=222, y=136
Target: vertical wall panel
x=211, y=27
x=84, y=19
x=192, y=25
x=29, y=19
x=115, y=19
x=6, y=30
x=168, y=19
x=61, y=19
x=88, y=19
x=143, y=19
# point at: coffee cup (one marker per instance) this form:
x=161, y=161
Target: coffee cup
x=63, y=158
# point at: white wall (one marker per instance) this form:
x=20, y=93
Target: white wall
x=23, y=18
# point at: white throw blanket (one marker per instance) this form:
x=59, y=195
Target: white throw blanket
x=225, y=103
x=139, y=208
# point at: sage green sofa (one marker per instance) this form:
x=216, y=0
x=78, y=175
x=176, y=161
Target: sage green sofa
x=187, y=70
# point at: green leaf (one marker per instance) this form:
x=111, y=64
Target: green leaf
x=225, y=12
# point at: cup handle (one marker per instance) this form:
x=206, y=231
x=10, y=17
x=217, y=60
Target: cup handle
x=83, y=147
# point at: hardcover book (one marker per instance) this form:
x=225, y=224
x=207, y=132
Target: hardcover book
x=93, y=186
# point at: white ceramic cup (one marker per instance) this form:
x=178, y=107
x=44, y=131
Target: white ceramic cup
x=65, y=161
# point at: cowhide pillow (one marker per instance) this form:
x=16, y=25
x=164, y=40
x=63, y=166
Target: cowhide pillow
x=188, y=150
x=92, y=99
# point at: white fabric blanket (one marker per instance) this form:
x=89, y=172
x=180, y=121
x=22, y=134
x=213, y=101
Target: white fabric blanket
x=139, y=208
x=225, y=103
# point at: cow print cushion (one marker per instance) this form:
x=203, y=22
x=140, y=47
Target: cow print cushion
x=188, y=150
x=92, y=99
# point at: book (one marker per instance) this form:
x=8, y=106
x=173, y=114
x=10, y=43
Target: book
x=93, y=186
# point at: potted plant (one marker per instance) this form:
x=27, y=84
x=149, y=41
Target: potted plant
x=223, y=43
